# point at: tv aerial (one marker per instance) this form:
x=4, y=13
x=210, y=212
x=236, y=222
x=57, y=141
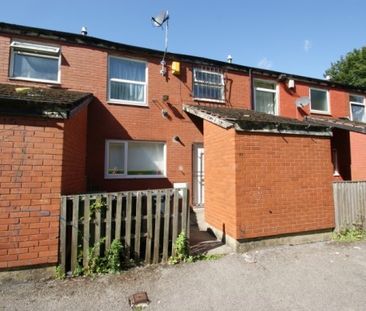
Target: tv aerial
x=161, y=20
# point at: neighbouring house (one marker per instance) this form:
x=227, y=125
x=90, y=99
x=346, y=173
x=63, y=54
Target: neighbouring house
x=258, y=149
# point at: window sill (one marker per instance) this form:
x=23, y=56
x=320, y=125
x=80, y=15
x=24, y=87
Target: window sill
x=127, y=103
x=209, y=100
x=35, y=80
x=134, y=177
x=324, y=113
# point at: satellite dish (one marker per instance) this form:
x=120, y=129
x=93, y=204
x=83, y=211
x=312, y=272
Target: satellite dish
x=161, y=20
x=302, y=101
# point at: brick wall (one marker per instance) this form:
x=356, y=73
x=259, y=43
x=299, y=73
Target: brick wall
x=358, y=156
x=30, y=183
x=74, y=153
x=220, y=172
x=261, y=185
x=283, y=184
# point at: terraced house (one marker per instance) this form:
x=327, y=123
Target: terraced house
x=258, y=149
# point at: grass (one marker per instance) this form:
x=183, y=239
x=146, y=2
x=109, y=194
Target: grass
x=350, y=235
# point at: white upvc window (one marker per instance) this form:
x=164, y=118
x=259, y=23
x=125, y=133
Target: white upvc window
x=357, y=106
x=208, y=85
x=135, y=159
x=266, y=96
x=319, y=101
x=35, y=62
x=127, y=81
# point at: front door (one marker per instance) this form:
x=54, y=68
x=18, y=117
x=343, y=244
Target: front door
x=198, y=175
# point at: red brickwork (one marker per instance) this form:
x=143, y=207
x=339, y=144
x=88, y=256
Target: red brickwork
x=283, y=183
x=220, y=172
x=30, y=183
x=358, y=156
x=74, y=153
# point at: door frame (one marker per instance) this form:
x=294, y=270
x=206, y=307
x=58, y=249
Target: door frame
x=198, y=175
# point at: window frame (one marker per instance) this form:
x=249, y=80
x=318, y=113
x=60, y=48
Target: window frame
x=363, y=104
x=194, y=81
x=125, y=175
x=275, y=91
x=35, y=52
x=123, y=101
x=328, y=111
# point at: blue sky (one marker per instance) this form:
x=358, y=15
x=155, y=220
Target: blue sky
x=299, y=37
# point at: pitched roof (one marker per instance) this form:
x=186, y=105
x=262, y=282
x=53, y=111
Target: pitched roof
x=343, y=123
x=252, y=121
x=36, y=101
x=72, y=38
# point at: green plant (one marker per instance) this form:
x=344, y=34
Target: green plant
x=114, y=256
x=97, y=205
x=59, y=273
x=350, y=235
x=182, y=252
x=109, y=263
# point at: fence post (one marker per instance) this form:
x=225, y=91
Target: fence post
x=75, y=230
x=118, y=216
x=128, y=223
x=138, y=224
x=98, y=223
x=175, y=219
x=149, y=228
x=63, y=233
x=157, y=228
x=166, y=226
x=86, y=231
x=108, y=225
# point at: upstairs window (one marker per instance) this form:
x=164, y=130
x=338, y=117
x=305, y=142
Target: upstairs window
x=319, y=101
x=265, y=99
x=357, y=104
x=35, y=62
x=127, y=81
x=208, y=85
x=135, y=159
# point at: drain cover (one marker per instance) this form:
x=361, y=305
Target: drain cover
x=139, y=299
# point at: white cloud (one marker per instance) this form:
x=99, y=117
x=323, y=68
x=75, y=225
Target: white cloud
x=265, y=63
x=307, y=45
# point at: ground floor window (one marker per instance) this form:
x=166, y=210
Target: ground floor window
x=135, y=159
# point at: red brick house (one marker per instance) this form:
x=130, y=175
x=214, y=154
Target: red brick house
x=84, y=114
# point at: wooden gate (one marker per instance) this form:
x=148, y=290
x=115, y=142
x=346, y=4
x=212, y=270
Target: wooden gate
x=146, y=222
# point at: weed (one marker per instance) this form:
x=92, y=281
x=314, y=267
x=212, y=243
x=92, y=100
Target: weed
x=350, y=235
x=97, y=205
x=60, y=274
x=109, y=263
x=182, y=252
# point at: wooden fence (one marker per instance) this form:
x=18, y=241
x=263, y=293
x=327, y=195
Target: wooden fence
x=146, y=222
x=350, y=204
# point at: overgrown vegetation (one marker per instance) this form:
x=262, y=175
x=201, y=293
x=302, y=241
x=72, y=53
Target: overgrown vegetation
x=113, y=260
x=182, y=253
x=60, y=274
x=97, y=205
x=350, y=235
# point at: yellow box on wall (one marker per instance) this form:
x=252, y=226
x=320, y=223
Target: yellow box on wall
x=175, y=68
